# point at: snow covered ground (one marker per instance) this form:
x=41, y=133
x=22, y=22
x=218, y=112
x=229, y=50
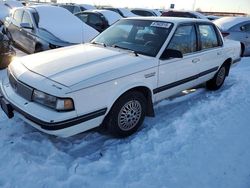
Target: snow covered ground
x=200, y=140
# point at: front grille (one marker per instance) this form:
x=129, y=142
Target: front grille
x=20, y=88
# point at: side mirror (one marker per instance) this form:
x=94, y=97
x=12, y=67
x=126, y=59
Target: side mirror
x=26, y=26
x=170, y=53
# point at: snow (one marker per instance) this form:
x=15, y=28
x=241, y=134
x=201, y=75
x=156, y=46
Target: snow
x=68, y=27
x=127, y=13
x=157, y=12
x=199, y=15
x=87, y=7
x=4, y=11
x=111, y=16
x=13, y=4
x=226, y=23
x=196, y=140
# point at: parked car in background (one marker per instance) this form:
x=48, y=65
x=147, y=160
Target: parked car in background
x=124, y=12
x=115, y=80
x=212, y=17
x=236, y=28
x=99, y=19
x=184, y=14
x=44, y=27
x=6, y=50
x=145, y=12
x=75, y=8
x=7, y=6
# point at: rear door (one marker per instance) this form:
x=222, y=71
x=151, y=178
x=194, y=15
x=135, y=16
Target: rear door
x=211, y=51
x=177, y=74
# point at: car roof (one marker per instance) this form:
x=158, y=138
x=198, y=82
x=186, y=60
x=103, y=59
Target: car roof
x=175, y=20
x=228, y=22
x=111, y=16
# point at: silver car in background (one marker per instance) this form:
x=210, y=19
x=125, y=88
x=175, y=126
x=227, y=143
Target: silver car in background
x=236, y=28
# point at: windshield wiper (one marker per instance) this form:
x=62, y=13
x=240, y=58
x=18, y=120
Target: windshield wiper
x=99, y=43
x=124, y=48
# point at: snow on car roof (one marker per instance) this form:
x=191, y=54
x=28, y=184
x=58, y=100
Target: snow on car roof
x=87, y=7
x=199, y=15
x=228, y=22
x=175, y=20
x=111, y=16
x=64, y=25
x=4, y=11
x=127, y=13
x=13, y=4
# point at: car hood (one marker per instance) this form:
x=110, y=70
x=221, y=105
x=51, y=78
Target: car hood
x=84, y=65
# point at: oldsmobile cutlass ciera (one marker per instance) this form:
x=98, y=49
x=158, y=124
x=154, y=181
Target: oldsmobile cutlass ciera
x=116, y=79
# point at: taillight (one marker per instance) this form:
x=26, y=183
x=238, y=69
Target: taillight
x=224, y=34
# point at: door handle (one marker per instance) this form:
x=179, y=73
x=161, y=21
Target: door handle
x=195, y=60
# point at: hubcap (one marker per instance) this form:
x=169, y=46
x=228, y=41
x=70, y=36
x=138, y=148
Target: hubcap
x=220, y=76
x=129, y=115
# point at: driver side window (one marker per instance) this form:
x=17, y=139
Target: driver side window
x=184, y=39
x=26, y=19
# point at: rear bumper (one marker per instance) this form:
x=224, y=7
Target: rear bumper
x=62, y=128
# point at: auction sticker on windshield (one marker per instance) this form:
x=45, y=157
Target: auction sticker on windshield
x=160, y=24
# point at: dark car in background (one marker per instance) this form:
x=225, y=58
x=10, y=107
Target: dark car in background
x=184, y=14
x=146, y=12
x=40, y=28
x=236, y=28
x=124, y=12
x=75, y=8
x=6, y=50
x=99, y=19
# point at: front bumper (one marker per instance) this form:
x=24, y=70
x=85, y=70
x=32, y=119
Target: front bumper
x=63, y=128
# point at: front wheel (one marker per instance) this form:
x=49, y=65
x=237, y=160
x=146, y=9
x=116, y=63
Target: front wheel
x=127, y=114
x=217, y=81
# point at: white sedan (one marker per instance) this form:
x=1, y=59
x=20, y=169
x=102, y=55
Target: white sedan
x=115, y=80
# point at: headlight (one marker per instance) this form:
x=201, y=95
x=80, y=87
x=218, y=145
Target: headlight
x=60, y=104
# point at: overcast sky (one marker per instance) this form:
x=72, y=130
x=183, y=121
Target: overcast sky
x=205, y=5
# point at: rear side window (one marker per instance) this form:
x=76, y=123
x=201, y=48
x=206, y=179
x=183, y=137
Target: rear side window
x=184, y=39
x=18, y=16
x=246, y=27
x=208, y=37
x=142, y=13
x=83, y=17
x=76, y=9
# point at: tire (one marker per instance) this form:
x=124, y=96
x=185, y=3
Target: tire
x=38, y=49
x=217, y=81
x=127, y=114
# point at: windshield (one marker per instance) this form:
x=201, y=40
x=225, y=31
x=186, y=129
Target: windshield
x=141, y=36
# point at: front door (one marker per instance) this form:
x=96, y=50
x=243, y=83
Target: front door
x=178, y=74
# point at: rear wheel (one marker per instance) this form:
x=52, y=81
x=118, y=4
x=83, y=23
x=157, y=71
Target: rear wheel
x=38, y=48
x=127, y=114
x=217, y=81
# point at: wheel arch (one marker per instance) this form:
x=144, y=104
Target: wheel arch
x=146, y=91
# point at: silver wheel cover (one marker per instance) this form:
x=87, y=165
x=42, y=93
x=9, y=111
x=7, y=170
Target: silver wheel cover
x=129, y=115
